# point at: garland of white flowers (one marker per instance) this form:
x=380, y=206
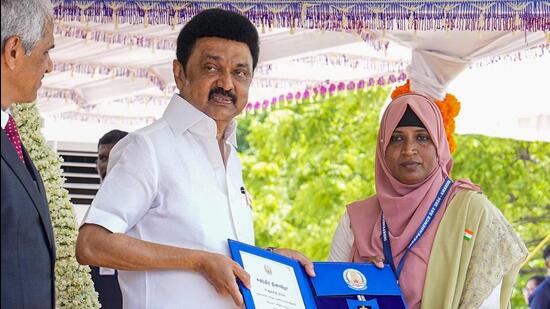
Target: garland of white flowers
x=73, y=285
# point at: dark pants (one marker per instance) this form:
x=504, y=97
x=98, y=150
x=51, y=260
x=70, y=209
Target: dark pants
x=108, y=289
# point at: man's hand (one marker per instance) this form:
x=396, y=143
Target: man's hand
x=298, y=257
x=98, y=246
x=222, y=273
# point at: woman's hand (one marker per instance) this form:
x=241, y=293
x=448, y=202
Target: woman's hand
x=378, y=261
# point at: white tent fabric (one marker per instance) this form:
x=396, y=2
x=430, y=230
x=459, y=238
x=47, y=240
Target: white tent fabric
x=439, y=57
x=430, y=72
x=108, y=78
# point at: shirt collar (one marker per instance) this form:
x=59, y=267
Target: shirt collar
x=183, y=116
x=5, y=118
x=231, y=133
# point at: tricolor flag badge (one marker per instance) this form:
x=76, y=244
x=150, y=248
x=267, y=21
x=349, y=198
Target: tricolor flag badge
x=468, y=234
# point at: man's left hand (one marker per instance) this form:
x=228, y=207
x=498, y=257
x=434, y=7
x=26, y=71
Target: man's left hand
x=295, y=255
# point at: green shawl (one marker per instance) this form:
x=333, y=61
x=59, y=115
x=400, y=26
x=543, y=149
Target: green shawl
x=462, y=273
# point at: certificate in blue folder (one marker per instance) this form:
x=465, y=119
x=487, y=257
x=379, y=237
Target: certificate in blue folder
x=280, y=282
x=275, y=280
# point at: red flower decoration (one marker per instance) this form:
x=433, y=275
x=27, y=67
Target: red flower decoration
x=449, y=108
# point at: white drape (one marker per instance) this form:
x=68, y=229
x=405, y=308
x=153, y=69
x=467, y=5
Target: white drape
x=438, y=56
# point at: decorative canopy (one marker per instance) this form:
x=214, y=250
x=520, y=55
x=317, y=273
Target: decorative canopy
x=113, y=59
x=336, y=15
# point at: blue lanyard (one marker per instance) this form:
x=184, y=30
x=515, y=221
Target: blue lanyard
x=419, y=232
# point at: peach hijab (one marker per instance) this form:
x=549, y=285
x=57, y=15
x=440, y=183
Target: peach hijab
x=404, y=206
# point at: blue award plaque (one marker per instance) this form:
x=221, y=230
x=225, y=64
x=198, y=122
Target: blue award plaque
x=337, y=283
x=276, y=281
x=280, y=282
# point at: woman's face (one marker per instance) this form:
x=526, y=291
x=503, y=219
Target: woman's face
x=410, y=154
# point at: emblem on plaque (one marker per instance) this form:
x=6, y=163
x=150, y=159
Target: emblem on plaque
x=355, y=279
x=267, y=269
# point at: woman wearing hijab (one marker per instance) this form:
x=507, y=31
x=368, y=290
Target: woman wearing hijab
x=447, y=244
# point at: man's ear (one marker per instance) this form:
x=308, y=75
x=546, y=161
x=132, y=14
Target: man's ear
x=179, y=73
x=12, y=48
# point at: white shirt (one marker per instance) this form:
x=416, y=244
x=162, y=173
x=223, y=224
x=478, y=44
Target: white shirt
x=167, y=184
x=5, y=118
x=342, y=244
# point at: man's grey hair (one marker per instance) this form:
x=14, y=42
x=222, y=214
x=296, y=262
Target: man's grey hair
x=26, y=19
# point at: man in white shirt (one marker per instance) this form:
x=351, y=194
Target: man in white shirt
x=173, y=195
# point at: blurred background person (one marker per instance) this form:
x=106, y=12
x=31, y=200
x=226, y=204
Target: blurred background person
x=530, y=286
x=104, y=146
x=541, y=296
x=105, y=279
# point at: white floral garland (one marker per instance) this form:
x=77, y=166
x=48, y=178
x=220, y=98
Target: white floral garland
x=73, y=285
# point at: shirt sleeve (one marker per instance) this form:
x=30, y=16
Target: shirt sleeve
x=130, y=187
x=342, y=242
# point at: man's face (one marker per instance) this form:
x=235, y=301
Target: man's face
x=217, y=77
x=29, y=70
x=103, y=152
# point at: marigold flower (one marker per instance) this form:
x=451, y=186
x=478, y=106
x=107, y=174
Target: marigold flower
x=449, y=108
